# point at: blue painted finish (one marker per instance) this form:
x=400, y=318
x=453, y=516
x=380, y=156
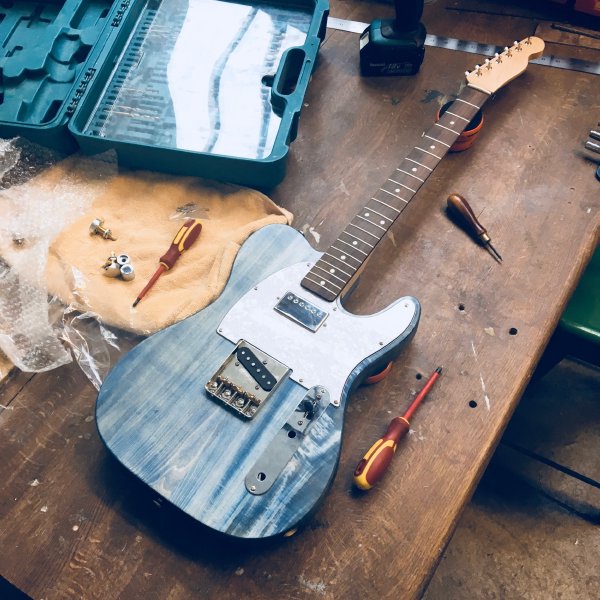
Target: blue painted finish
x=155, y=416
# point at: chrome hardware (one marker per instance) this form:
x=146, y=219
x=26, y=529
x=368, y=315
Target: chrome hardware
x=127, y=272
x=287, y=440
x=97, y=228
x=235, y=383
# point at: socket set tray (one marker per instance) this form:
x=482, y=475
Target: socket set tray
x=195, y=87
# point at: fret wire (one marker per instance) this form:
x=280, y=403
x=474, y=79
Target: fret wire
x=368, y=221
x=412, y=175
x=448, y=128
x=378, y=213
x=455, y=115
x=469, y=103
x=340, y=270
x=405, y=186
x=322, y=284
x=367, y=232
x=346, y=254
x=352, y=246
x=436, y=140
x=329, y=273
x=418, y=163
x=391, y=194
x=428, y=152
x=388, y=205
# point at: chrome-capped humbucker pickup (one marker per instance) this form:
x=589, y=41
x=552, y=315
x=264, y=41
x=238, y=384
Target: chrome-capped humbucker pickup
x=246, y=379
x=301, y=311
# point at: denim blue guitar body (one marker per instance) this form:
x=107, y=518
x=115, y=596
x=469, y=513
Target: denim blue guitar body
x=248, y=477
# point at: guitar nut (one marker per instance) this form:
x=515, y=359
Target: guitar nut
x=111, y=269
x=127, y=272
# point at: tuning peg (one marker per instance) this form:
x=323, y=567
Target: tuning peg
x=528, y=41
x=508, y=51
x=498, y=58
x=488, y=64
x=467, y=73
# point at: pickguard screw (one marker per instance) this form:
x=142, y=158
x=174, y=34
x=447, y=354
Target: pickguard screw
x=381, y=343
x=256, y=387
x=300, y=422
x=96, y=228
x=252, y=488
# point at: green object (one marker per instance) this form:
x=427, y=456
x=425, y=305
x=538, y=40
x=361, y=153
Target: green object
x=582, y=315
x=211, y=87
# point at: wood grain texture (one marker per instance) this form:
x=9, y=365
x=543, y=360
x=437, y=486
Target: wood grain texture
x=540, y=204
x=155, y=417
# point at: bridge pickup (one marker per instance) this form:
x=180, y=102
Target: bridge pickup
x=246, y=379
x=256, y=368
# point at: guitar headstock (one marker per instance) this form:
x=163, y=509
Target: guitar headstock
x=504, y=67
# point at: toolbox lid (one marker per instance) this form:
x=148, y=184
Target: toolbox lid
x=198, y=87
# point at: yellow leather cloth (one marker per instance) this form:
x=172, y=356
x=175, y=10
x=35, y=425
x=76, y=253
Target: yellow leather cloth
x=144, y=211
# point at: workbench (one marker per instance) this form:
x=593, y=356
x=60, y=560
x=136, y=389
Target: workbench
x=74, y=524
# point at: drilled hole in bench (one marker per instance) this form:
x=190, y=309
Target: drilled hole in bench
x=513, y=331
x=461, y=307
x=473, y=404
x=419, y=376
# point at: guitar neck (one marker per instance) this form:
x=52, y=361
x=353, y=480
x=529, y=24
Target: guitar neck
x=344, y=259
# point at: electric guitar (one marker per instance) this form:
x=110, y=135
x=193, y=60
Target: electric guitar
x=235, y=414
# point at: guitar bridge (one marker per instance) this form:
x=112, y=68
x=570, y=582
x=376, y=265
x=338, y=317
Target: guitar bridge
x=246, y=379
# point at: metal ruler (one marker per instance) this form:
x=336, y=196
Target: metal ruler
x=437, y=41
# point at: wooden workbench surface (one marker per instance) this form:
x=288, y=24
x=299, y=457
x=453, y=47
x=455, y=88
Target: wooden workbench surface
x=74, y=524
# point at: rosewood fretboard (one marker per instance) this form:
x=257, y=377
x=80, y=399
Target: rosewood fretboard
x=344, y=258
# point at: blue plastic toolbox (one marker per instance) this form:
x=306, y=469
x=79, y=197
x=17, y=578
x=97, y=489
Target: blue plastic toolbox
x=196, y=87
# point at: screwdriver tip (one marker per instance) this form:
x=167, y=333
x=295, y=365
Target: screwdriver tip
x=137, y=301
x=494, y=252
x=439, y=370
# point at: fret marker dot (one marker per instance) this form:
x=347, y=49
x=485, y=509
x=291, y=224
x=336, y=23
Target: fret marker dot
x=432, y=146
x=332, y=270
x=397, y=190
x=367, y=214
x=451, y=122
x=343, y=257
x=414, y=169
x=322, y=282
x=382, y=222
x=354, y=243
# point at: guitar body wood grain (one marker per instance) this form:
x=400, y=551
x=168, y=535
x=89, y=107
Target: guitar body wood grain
x=155, y=416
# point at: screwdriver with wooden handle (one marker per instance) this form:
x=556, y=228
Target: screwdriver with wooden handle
x=379, y=456
x=185, y=237
x=458, y=205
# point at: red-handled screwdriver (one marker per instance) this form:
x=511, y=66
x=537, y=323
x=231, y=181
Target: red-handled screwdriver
x=376, y=461
x=186, y=236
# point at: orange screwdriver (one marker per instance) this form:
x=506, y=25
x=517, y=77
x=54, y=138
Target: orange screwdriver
x=186, y=236
x=376, y=461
